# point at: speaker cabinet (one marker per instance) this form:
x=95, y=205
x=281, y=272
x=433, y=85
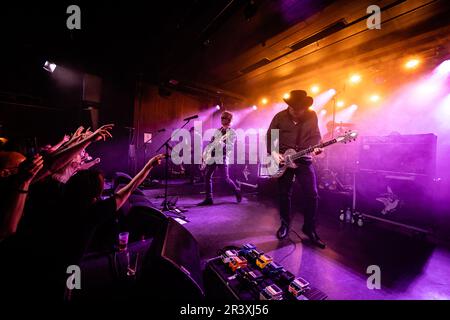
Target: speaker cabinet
x=398, y=197
x=409, y=154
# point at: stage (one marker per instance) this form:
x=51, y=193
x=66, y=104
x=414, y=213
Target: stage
x=411, y=267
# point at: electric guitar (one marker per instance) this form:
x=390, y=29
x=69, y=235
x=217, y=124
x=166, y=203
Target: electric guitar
x=290, y=156
x=206, y=157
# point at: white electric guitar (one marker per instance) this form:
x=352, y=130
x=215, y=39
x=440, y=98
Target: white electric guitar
x=207, y=153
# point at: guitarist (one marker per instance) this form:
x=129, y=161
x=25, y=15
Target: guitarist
x=298, y=129
x=228, y=146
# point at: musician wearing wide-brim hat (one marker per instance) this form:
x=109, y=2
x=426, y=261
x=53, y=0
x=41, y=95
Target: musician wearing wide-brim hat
x=298, y=129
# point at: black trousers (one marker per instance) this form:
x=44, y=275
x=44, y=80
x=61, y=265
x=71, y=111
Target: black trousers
x=304, y=174
x=210, y=169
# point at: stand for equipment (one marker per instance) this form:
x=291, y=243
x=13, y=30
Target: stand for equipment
x=167, y=207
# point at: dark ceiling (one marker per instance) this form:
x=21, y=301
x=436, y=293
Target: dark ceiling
x=162, y=40
x=239, y=46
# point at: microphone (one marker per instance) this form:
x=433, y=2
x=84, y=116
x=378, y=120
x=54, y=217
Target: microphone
x=190, y=118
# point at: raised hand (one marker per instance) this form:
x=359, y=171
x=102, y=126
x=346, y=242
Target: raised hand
x=102, y=133
x=156, y=160
x=30, y=167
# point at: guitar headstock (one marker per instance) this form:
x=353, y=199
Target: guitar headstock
x=348, y=136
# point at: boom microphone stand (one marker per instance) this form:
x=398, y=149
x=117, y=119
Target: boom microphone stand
x=165, y=205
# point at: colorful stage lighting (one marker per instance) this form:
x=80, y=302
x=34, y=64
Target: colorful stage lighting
x=264, y=100
x=444, y=68
x=315, y=89
x=412, y=63
x=217, y=107
x=356, y=78
x=286, y=95
x=340, y=104
x=254, y=107
x=374, y=98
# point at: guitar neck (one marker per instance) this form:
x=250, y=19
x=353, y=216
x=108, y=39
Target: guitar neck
x=311, y=149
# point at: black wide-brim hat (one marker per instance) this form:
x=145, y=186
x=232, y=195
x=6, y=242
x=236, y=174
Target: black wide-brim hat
x=299, y=99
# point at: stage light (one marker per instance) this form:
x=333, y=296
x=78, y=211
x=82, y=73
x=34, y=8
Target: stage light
x=311, y=108
x=315, y=89
x=356, y=78
x=444, y=68
x=49, y=66
x=217, y=107
x=323, y=112
x=412, y=63
x=353, y=107
x=286, y=95
x=374, y=98
x=264, y=100
x=340, y=103
x=255, y=107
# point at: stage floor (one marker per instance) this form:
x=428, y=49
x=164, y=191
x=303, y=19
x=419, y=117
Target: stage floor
x=410, y=268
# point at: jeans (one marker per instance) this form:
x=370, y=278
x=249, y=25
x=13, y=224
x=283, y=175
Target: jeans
x=305, y=174
x=210, y=169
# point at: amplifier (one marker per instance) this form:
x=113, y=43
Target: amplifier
x=401, y=198
x=399, y=153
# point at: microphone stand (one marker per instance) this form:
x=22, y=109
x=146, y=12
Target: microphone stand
x=165, y=204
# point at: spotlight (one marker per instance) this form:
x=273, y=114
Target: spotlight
x=286, y=95
x=374, y=98
x=255, y=107
x=315, y=89
x=444, y=68
x=356, y=78
x=353, y=107
x=412, y=63
x=217, y=107
x=323, y=112
x=340, y=103
x=49, y=66
x=311, y=108
x=264, y=100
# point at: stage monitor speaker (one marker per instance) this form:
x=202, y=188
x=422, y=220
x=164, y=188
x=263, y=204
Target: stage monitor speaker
x=410, y=154
x=173, y=267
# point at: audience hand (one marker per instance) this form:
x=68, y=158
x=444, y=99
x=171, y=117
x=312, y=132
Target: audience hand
x=30, y=167
x=156, y=160
x=102, y=133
